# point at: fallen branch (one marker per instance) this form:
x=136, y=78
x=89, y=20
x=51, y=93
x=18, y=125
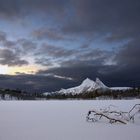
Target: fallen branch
x=100, y=114
x=113, y=116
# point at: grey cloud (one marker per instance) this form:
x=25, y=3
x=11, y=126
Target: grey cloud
x=124, y=73
x=16, y=8
x=76, y=72
x=50, y=55
x=129, y=54
x=85, y=64
x=93, y=54
x=9, y=8
x=12, y=52
x=26, y=45
x=85, y=46
x=118, y=18
x=5, y=42
x=115, y=20
x=110, y=75
x=45, y=61
x=8, y=43
x=10, y=58
x=54, y=51
x=44, y=33
x=2, y=36
x=21, y=45
x=128, y=61
x=34, y=83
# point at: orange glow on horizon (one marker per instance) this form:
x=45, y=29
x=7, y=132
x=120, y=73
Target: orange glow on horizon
x=30, y=69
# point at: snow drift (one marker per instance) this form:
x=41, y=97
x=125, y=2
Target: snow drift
x=62, y=120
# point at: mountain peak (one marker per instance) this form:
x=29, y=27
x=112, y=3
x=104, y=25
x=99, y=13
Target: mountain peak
x=87, y=81
x=100, y=83
x=97, y=80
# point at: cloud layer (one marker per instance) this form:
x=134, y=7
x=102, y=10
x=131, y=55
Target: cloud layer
x=70, y=39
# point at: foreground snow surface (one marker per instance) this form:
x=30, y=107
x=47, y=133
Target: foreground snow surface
x=62, y=120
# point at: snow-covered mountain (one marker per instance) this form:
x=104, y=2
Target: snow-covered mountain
x=87, y=85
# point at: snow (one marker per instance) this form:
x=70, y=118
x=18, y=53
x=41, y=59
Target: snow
x=62, y=120
x=120, y=88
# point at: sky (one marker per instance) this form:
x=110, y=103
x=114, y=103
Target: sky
x=46, y=45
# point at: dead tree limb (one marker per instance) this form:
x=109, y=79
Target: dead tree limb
x=132, y=115
x=113, y=116
x=136, y=105
x=100, y=114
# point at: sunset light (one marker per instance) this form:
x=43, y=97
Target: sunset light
x=31, y=69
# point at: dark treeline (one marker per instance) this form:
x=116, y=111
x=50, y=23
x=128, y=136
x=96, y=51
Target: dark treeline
x=110, y=94
x=7, y=94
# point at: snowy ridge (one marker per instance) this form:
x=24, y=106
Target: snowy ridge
x=120, y=88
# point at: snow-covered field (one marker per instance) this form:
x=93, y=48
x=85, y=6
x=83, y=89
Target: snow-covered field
x=62, y=120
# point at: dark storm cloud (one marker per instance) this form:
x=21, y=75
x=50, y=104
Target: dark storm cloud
x=75, y=72
x=129, y=55
x=9, y=8
x=116, y=20
x=124, y=73
x=128, y=62
x=19, y=8
x=11, y=58
x=85, y=64
x=110, y=75
x=33, y=83
x=119, y=19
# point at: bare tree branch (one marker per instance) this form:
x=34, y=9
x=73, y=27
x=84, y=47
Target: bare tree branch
x=113, y=116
